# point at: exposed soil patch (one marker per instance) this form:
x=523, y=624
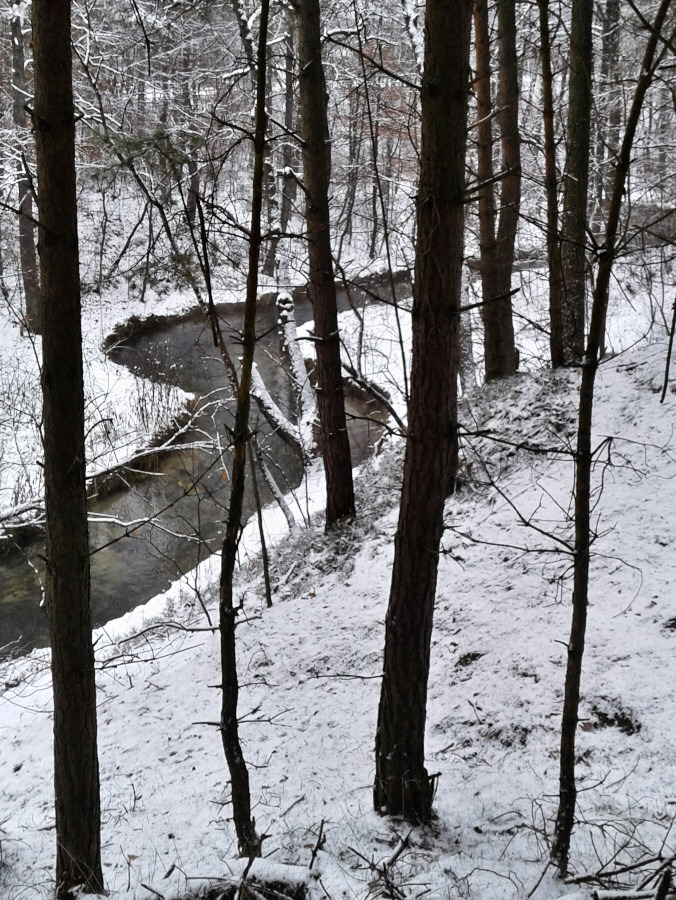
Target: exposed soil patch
x=617, y=717
x=468, y=658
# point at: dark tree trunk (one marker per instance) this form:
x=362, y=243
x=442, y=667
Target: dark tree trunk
x=247, y=839
x=510, y=188
x=402, y=783
x=29, y=262
x=76, y=772
x=322, y=287
x=497, y=254
x=193, y=190
x=584, y=458
x=551, y=188
x=576, y=181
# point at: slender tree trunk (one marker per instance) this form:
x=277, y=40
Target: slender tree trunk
x=29, y=262
x=76, y=771
x=584, y=461
x=288, y=152
x=487, y=217
x=576, y=181
x=556, y=338
x=402, y=783
x=316, y=168
x=245, y=826
x=271, y=195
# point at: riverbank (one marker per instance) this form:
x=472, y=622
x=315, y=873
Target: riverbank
x=155, y=514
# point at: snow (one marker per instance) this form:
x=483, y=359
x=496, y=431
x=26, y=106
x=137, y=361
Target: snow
x=310, y=669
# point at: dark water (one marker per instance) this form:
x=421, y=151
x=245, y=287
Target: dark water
x=187, y=494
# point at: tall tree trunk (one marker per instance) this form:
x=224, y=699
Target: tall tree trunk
x=584, y=460
x=28, y=256
x=249, y=842
x=551, y=191
x=497, y=254
x=76, y=771
x=322, y=287
x=402, y=783
x=510, y=186
x=576, y=181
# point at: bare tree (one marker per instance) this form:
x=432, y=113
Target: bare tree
x=249, y=842
x=67, y=586
x=584, y=457
x=402, y=783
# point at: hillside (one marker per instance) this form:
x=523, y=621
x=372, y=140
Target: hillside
x=310, y=667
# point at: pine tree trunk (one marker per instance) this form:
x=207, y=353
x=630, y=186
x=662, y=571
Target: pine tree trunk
x=76, y=773
x=497, y=254
x=510, y=187
x=576, y=181
x=322, y=287
x=402, y=783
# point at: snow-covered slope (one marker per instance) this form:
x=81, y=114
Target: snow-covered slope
x=310, y=670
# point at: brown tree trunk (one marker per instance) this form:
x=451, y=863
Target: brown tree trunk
x=28, y=256
x=76, y=772
x=576, y=181
x=497, y=254
x=322, y=287
x=510, y=186
x=551, y=188
x=247, y=839
x=402, y=783
x=584, y=461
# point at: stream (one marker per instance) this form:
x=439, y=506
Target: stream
x=186, y=494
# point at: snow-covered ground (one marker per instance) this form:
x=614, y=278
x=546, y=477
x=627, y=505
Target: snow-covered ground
x=310, y=669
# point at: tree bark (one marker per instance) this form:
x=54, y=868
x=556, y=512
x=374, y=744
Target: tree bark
x=322, y=287
x=584, y=458
x=402, y=783
x=28, y=256
x=76, y=772
x=576, y=181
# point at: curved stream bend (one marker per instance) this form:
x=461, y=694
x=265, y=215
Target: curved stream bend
x=188, y=484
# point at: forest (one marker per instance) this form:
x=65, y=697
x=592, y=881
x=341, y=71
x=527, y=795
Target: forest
x=337, y=467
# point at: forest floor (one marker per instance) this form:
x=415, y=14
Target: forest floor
x=310, y=668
